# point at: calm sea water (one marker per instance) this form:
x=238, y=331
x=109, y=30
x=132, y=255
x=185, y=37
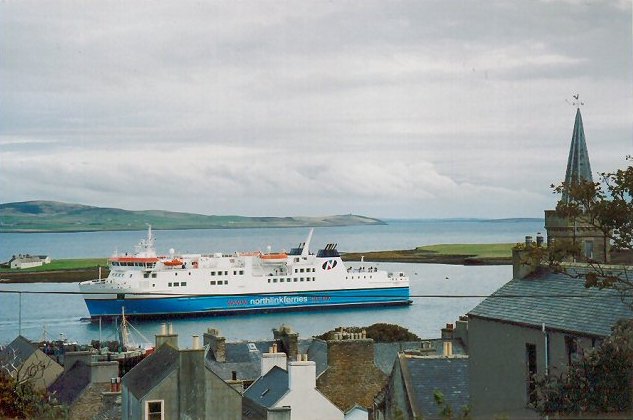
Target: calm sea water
x=55, y=314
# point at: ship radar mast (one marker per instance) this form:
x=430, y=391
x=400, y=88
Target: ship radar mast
x=145, y=247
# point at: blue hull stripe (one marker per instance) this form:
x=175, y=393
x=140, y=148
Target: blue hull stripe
x=249, y=302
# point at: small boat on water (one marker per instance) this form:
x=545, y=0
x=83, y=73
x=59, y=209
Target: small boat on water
x=146, y=284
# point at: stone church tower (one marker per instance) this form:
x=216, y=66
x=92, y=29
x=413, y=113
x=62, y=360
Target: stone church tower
x=593, y=244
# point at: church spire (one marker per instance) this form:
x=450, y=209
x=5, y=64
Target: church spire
x=578, y=166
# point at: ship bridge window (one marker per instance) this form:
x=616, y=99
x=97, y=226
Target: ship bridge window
x=184, y=283
x=241, y=272
x=153, y=275
x=226, y=282
x=213, y=273
x=212, y=282
x=146, y=275
x=169, y=284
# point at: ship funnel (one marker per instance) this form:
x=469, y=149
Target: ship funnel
x=306, y=249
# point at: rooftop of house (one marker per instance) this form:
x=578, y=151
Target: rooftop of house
x=423, y=375
x=151, y=370
x=70, y=385
x=268, y=389
x=559, y=301
x=244, y=358
x=18, y=351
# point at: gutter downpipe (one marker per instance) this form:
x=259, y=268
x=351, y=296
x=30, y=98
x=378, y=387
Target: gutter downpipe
x=546, y=349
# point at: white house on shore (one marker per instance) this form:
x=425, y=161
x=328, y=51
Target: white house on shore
x=28, y=261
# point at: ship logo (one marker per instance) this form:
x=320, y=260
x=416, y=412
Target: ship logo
x=329, y=264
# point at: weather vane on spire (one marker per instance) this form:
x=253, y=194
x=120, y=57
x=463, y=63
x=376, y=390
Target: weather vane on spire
x=575, y=102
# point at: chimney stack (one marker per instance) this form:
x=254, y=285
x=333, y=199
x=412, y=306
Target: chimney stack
x=216, y=343
x=166, y=336
x=271, y=359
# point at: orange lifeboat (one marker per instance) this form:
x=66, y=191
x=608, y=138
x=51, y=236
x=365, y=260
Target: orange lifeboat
x=173, y=263
x=281, y=256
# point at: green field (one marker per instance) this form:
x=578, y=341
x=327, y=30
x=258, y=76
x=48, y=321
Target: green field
x=443, y=253
x=475, y=250
x=64, y=264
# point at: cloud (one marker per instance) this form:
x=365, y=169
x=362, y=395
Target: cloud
x=387, y=109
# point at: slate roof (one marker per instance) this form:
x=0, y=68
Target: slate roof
x=578, y=165
x=151, y=371
x=385, y=354
x=71, y=384
x=268, y=389
x=19, y=350
x=241, y=359
x=424, y=375
x=558, y=300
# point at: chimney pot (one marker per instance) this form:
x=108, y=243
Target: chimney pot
x=234, y=375
x=448, y=348
x=196, y=342
x=274, y=349
x=163, y=329
x=171, y=328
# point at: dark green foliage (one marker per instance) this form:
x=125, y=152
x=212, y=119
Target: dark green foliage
x=20, y=400
x=381, y=333
x=599, y=383
x=446, y=411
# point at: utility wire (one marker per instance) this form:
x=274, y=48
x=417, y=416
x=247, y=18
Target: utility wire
x=316, y=294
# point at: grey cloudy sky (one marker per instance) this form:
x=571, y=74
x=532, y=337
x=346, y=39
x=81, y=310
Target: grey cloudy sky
x=387, y=109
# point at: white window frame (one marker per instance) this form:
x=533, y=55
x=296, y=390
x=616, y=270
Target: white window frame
x=162, y=408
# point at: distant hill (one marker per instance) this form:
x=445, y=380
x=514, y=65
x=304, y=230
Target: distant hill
x=51, y=216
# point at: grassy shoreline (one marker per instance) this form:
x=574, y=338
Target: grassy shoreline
x=75, y=270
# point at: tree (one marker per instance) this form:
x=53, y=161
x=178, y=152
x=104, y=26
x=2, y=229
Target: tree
x=19, y=397
x=607, y=206
x=599, y=383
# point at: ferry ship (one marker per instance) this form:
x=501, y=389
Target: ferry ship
x=144, y=284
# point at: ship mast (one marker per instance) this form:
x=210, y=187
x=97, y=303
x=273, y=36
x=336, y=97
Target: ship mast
x=124, y=331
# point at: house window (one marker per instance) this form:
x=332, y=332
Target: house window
x=572, y=349
x=530, y=364
x=589, y=249
x=154, y=410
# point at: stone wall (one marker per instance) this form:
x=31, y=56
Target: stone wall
x=351, y=377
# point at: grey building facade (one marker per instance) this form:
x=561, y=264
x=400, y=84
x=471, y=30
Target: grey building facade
x=532, y=326
x=176, y=384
